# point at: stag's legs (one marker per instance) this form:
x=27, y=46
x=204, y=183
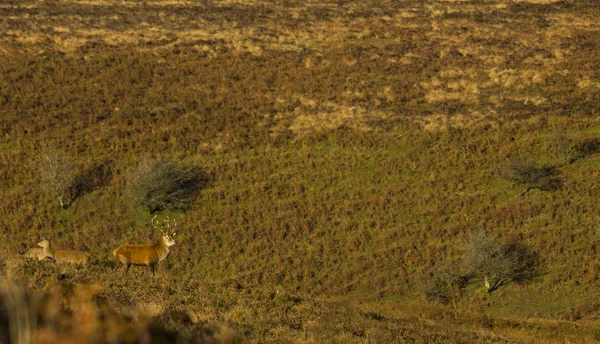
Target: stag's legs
x=152, y=267
x=126, y=263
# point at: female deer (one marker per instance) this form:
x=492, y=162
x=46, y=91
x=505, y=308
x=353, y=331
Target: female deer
x=63, y=256
x=35, y=253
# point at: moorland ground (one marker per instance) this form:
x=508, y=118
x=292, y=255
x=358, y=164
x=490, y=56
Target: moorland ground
x=351, y=150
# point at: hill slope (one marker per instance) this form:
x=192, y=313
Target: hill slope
x=352, y=149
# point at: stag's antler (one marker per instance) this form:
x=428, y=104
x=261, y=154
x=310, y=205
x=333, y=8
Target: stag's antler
x=154, y=224
x=171, y=225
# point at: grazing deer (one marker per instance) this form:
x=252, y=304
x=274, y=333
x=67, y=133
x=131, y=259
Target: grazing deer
x=63, y=256
x=35, y=253
x=148, y=255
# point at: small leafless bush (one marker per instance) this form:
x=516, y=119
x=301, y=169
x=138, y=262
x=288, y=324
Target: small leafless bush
x=166, y=184
x=571, y=150
x=58, y=175
x=496, y=261
x=563, y=145
x=532, y=175
x=585, y=148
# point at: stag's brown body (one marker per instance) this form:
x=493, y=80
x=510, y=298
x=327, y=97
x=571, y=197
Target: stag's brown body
x=142, y=254
x=148, y=255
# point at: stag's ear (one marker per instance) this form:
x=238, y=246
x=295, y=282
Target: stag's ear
x=173, y=233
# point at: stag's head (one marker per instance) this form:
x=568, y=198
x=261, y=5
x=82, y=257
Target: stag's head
x=167, y=229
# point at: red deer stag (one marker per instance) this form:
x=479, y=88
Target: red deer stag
x=148, y=255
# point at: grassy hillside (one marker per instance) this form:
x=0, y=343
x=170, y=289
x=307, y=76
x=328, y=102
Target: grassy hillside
x=352, y=148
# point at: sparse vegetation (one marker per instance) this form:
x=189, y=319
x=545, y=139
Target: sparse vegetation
x=351, y=146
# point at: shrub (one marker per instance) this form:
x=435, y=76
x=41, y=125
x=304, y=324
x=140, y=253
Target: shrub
x=58, y=175
x=585, y=148
x=532, y=175
x=571, y=150
x=166, y=184
x=496, y=261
